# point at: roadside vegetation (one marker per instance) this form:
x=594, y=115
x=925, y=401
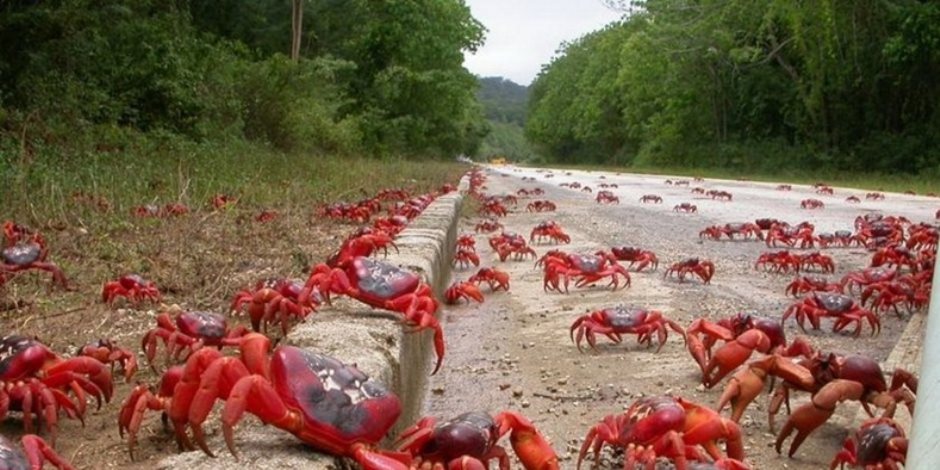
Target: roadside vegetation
x=820, y=90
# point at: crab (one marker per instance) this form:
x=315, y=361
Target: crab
x=875, y=196
x=540, y=205
x=496, y=279
x=894, y=256
x=742, y=334
x=132, y=287
x=462, y=290
x=841, y=307
x=380, y=285
x=606, y=197
x=586, y=270
x=818, y=260
x=34, y=380
x=493, y=208
x=551, y=230
x=719, y=195
x=35, y=452
x=267, y=215
x=698, y=190
x=888, y=295
x=812, y=204
x=222, y=201
x=363, y=242
x=789, y=236
x=838, y=378
x=488, y=225
x=635, y=255
x=106, y=352
x=784, y=187
x=274, y=300
x=466, y=255
x=866, y=277
x=509, y=243
x=188, y=332
x=804, y=284
x=470, y=441
x=704, y=269
x=686, y=207
x=325, y=403
x=664, y=426
x=746, y=230
x=617, y=321
x=824, y=190
x=27, y=253
x=853, y=200
x=652, y=198
x=878, y=443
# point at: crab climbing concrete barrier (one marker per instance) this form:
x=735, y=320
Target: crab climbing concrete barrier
x=372, y=339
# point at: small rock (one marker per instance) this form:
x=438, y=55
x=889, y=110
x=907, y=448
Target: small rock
x=439, y=390
x=504, y=386
x=525, y=403
x=518, y=392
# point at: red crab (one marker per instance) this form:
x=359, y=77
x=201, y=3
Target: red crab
x=132, y=287
x=488, y=225
x=784, y=187
x=841, y=307
x=465, y=256
x=266, y=216
x=824, y=190
x=652, y=198
x=496, y=279
x=462, y=290
x=704, y=269
x=274, y=300
x=878, y=443
x=189, y=332
x=875, y=196
x=746, y=230
x=33, y=380
x=470, y=441
x=586, y=270
x=719, y=195
x=789, y=236
x=636, y=255
x=866, y=277
x=894, y=256
x=812, y=204
x=617, y=321
x=380, y=285
x=698, y=190
x=606, y=197
x=493, y=208
x=106, y=352
x=363, y=242
x=28, y=252
x=804, y=284
x=853, y=200
x=818, y=260
x=36, y=452
x=686, y=207
x=329, y=405
x=540, y=205
x=509, y=243
x=222, y=201
x=551, y=230
x=664, y=426
x=742, y=334
x=888, y=295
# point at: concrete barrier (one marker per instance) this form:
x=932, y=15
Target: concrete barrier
x=354, y=333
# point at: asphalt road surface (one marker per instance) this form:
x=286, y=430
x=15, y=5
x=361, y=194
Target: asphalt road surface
x=513, y=352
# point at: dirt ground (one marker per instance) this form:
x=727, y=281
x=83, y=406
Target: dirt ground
x=513, y=352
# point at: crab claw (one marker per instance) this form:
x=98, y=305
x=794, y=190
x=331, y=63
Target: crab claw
x=810, y=416
x=747, y=384
x=529, y=445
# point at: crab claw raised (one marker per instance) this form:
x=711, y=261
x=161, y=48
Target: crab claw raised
x=530, y=446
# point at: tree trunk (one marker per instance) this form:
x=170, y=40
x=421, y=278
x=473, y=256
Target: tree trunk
x=297, y=22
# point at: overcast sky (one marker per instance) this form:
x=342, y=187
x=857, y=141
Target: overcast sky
x=524, y=34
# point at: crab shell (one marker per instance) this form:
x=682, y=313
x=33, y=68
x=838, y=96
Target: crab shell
x=21, y=357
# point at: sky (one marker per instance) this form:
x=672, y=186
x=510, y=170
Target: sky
x=524, y=34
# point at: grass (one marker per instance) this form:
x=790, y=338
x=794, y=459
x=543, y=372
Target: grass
x=199, y=260
x=871, y=181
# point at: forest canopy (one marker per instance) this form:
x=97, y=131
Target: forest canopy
x=373, y=76
x=750, y=84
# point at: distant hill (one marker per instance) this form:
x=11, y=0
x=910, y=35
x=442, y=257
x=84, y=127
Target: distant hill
x=503, y=100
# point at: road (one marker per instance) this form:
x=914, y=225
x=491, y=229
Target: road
x=514, y=352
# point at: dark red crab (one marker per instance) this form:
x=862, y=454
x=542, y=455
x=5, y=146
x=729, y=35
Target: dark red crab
x=34, y=380
x=27, y=254
x=274, y=300
x=652, y=198
x=642, y=258
x=380, y=285
x=878, y=443
x=664, y=426
x=843, y=308
x=469, y=441
x=35, y=452
x=704, y=269
x=132, y=287
x=188, y=332
x=107, y=352
x=585, y=270
x=329, y=405
x=617, y=321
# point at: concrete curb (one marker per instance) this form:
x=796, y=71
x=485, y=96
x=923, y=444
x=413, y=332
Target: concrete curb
x=372, y=339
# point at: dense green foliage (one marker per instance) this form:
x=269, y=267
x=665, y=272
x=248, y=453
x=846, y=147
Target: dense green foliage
x=504, y=105
x=749, y=84
x=376, y=76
